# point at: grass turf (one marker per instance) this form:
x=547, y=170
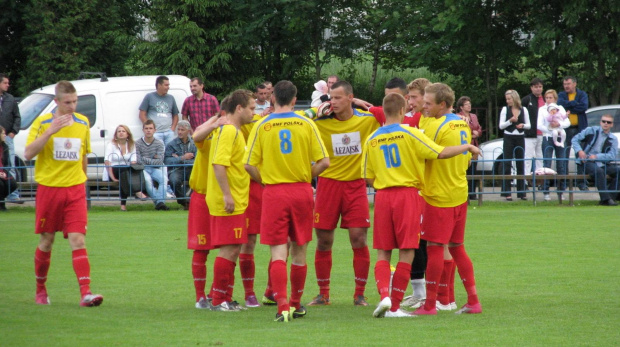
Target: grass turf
x=545, y=276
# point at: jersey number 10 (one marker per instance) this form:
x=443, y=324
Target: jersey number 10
x=391, y=155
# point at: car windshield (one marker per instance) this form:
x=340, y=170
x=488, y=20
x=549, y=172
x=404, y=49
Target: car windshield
x=31, y=107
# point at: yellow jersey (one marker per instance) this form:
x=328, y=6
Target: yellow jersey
x=227, y=149
x=283, y=147
x=60, y=162
x=200, y=170
x=343, y=140
x=445, y=181
x=394, y=156
x=247, y=128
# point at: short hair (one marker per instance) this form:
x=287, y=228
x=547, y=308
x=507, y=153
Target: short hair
x=267, y=82
x=442, y=92
x=334, y=76
x=184, y=124
x=461, y=101
x=348, y=88
x=569, y=77
x=418, y=84
x=516, y=99
x=394, y=105
x=285, y=92
x=238, y=97
x=64, y=87
x=397, y=82
x=224, y=104
x=160, y=80
x=261, y=86
x=535, y=81
x=605, y=115
x=3, y=76
x=148, y=122
x=552, y=92
x=197, y=79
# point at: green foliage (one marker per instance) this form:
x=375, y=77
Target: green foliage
x=528, y=276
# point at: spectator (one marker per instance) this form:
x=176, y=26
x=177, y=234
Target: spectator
x=262, y=97
x=575, y=102
x=514, y=119
x=180, y=153
x=10, y=120
x=549, y=147
x=161, y=108
x=150, y=152
x=120, y=154
x=596, y=147
x=533, y=136
x=320, y=89
x=269, y=86
x=331, y=80
x=463, y=107
x=7, y=181
x=200, y=106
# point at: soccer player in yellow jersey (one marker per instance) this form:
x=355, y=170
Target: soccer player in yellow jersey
x=228, y=185
x=61, y=140
x=199, y=219
x=445, y=192
x=393, y=162
x=281, y=149
x=341, y=191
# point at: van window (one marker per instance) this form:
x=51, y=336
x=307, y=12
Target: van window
x=86, y=106
x=30, y=108
x=594, y=117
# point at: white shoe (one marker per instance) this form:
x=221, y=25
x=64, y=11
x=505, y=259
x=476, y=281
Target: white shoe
x=453, y=306
x=203, y=304
x=413, y=301
x=547, y=197
x=383, y=307
x=442, y=307
x=399, y=314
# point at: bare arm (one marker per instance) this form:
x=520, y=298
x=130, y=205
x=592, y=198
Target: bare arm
x=85, y=164
x=254, y=173
x=175, y=120
x=222, y=180
x=36, y=146
x=142, y=116
x=453, y=151
x=320, y=166
x=203, y=130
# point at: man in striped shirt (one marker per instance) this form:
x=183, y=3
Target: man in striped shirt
x=150, y=152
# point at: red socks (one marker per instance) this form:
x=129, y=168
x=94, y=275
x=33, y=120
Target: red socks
x=382, y=277
x=248, y=271
x=222, y=269
x=199, y=272
x=298, y=282
x=400, y=280
x=41, y=266
x=323, y=268
x=278, y=282
x=443, y=291
x=451, y=283
x=81, y=267
x=434, y=268
x=269, y=289
x=466, y=271
x=361, y=266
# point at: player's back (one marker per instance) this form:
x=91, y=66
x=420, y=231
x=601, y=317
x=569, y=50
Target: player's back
x=283, y=147
x=445, y=180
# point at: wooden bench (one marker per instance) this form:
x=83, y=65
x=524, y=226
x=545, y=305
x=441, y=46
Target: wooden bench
x=533, y=178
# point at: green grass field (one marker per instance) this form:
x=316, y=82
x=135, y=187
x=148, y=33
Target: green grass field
x=545, y=276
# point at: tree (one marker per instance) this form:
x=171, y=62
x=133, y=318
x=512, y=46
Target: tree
x=12, y=54
x=64, y=37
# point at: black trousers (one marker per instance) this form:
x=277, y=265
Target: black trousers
x=514, y=148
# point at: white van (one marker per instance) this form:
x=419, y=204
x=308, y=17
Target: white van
x=106, y=102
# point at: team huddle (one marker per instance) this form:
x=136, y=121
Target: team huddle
x=252, y=176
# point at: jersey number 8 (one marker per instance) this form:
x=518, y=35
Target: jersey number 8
x=286, y=146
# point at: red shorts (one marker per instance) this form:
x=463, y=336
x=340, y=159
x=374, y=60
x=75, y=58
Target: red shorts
x=287, y=212
x=253, y=211
x=335, y=198
x=444, y=224
x=61, y=209
x=397, y=218
x=198, y=223
x=228, y=230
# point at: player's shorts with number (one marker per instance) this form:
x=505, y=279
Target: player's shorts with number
x=198, y=223
x=61, y=209
x=228, y=230
x=341, y=198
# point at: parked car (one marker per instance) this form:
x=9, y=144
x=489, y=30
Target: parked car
x=106, y=102
x=492, y=151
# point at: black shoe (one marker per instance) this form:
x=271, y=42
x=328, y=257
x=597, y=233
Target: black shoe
x=161, y=207
x=299, y=312
x=608, y=202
